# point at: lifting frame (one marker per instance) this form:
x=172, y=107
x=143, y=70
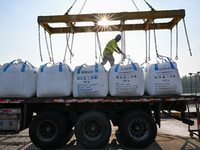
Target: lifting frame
x=147, y=16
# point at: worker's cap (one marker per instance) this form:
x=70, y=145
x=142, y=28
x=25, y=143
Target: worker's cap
x=118, y=36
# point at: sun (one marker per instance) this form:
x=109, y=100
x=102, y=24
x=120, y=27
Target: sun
x=104, y=21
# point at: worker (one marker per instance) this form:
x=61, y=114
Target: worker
x=109, y=49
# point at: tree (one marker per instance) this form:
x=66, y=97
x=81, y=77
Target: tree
x=191, y=84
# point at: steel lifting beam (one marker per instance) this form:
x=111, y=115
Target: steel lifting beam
x=146, y=17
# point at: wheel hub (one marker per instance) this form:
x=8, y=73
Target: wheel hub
x=46, y=130
x=138, y=129
x=92, y=130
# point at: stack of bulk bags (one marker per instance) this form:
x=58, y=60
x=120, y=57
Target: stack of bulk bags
x=54, y=80
x=90, y=81
x=127, y=80
x=18, y=79
x=163, y=79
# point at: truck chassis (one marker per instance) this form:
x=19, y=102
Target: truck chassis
x=51, y=119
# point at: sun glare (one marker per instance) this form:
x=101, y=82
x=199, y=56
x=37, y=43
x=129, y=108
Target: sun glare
x=104, y=22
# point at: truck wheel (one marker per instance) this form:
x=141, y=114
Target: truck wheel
x=48, y=130
x=138, y=129
x=93, y=129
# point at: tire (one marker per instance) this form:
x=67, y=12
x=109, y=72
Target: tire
x=49, y=130
x=138, y=129
x=93, y=129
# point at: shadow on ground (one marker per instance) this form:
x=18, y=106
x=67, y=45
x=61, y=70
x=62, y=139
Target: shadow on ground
x=162, y=142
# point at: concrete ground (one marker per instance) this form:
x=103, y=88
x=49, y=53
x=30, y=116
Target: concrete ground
x=173, y=135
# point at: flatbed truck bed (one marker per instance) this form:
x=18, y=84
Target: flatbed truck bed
x=50, y=118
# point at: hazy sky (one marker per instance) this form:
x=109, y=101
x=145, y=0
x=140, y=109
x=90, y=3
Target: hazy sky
x=19, y=32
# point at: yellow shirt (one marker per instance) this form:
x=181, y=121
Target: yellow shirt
x=111, y=45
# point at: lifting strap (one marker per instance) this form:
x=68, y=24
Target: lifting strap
x=64, y=59
x=170, y=43
x=146, y=46
x=67, y=38
x=95, y=45
x=149, y=58
x=40, y=49
x=45, y=33
x=145, y=34
x=51, y=48
x=67, y=46
x=176, y=42
x=97, y=40
x=187, y=37
x=156, y=48
x=71, y=55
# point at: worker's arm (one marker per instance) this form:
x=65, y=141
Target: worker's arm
x=119, y=51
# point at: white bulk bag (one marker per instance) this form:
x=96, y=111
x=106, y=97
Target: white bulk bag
x=127, y=80
x=90, y=81
x=163, y=79
x=18, y=79
x=54, y=80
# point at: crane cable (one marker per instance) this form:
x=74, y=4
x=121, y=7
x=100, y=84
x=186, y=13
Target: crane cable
x=70, y=7
x=149, y=5
x=156, y=48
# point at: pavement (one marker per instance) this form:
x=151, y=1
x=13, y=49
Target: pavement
x=173, y=135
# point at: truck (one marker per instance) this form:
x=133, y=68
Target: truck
x=50, y=119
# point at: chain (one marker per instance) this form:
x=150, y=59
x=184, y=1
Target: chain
x=187, y=37
x=39, y=42
x=123, y=41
